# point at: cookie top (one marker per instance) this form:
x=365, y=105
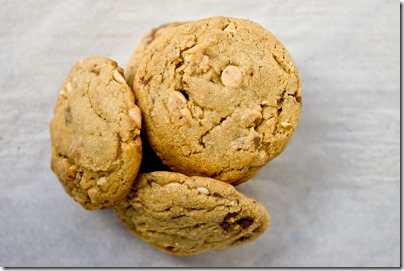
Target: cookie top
x=220, y=97
x=140, y=49
x=188, y=215
x=95, y=134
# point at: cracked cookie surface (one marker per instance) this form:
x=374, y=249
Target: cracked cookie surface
x=95, y=134
x=220, y=97
x=188, y=215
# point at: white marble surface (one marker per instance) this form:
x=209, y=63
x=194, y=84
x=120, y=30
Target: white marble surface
x=333, y=195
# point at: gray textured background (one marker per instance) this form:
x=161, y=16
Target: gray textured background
x=333, y=195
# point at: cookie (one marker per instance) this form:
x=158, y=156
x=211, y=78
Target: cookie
x=140, y=49
x=95, y=134
x=220, y=97
x=188, y=215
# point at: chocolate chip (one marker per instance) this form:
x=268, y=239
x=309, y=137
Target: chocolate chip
x=96, y=72
x=145, y=81
x=170, y=248
x=245, y=222
x=257, y=141
x=227, y=221
x=225, y=225
x=68, y=116
x=244, y=237
x=179, y=64
x=95, y=69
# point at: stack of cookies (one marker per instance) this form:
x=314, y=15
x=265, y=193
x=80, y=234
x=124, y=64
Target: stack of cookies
x=210, y=101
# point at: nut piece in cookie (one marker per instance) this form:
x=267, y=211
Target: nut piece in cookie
x=220, y=97
x=95, y=134
x=188, y=215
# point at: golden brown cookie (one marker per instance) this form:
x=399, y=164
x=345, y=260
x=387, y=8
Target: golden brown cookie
x=188, y=215
x=95, y=134
x=220, y=97
x=140, y=49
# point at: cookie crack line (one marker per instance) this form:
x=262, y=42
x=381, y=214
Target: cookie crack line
x=198, y=241
x=91, y=103
x=186, y=212
x=228, y=168
x=116, y=133
x=280, y=64
x=221, y=121
x=211, y=194
x=149, y=185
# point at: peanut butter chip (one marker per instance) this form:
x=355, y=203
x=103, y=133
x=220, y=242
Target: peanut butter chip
x=204, y=65
x=286, y=124
x=136, y=115
x=118, y=77
x=203, y=190
x=102, y=181
x=231, y=76
x=230, y=28
x=63, y=92
x=173, y=185
x=68, y=87
x=180, y=96
x=92, y=193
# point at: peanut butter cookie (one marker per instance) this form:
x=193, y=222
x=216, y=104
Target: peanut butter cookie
x=188, y=215
x=220, y=97
x=95, y=134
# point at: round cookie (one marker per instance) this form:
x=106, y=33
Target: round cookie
x=95, y=134
x=220, y=97
x=137, y=55
x=188, y=215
